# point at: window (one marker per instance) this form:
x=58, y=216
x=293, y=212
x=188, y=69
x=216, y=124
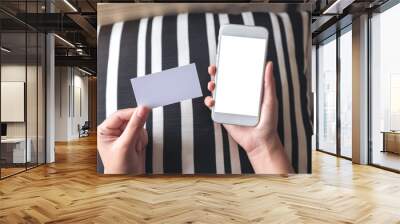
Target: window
x=385, y=89
x=333, y=137
x=346, y=92
x=327, y=96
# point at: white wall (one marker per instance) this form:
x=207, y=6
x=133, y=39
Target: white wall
x=61, y=103
x=17, y=73
x=13, y=73
x=80, y=84
x=71, y=94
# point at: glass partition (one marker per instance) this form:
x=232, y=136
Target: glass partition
x=13, y=94
x=22, y=88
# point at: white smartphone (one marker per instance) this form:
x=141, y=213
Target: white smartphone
x=241, y=59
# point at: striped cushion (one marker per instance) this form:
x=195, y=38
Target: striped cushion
x=182, y=136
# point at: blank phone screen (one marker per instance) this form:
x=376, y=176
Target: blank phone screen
x=239, y=73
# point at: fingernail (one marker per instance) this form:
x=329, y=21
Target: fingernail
x=142, y=112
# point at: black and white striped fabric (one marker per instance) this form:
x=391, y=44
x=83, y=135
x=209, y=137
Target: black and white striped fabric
x=182, y=136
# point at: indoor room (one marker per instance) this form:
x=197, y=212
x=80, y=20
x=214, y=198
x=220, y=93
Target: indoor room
x=110, y=112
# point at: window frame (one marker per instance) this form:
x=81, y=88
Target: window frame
x=333, y=37
x=381, y=9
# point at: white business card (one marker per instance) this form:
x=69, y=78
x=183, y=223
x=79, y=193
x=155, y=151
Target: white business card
x=167, y=87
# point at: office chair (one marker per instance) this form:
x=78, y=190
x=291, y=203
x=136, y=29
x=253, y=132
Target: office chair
x=84, y=130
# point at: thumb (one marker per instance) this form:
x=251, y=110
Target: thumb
x=135, y=124
x=269, y=97
x=269, y=84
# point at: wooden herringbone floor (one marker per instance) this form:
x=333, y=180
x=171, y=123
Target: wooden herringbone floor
x=70, y=191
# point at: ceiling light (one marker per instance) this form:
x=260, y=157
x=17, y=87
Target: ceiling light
x=84, y=71
x=70, y=5
x=5, y=49
x=65, y=41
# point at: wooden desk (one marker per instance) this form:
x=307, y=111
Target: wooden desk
x=391, y=141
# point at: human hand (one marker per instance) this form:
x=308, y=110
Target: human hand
x=121, y=141
x=261, y=142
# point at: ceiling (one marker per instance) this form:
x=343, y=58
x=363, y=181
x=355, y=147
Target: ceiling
x=76, y=21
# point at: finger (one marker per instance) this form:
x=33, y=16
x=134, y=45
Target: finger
x=211, y=86
x=145, y=137
x=115, y=121
x=135, y=125
x=142, y=142
x=269, y=83
x=122, y=128
x=212, y=70
x=209, y=102
x=269, y=104
x=109, y=132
